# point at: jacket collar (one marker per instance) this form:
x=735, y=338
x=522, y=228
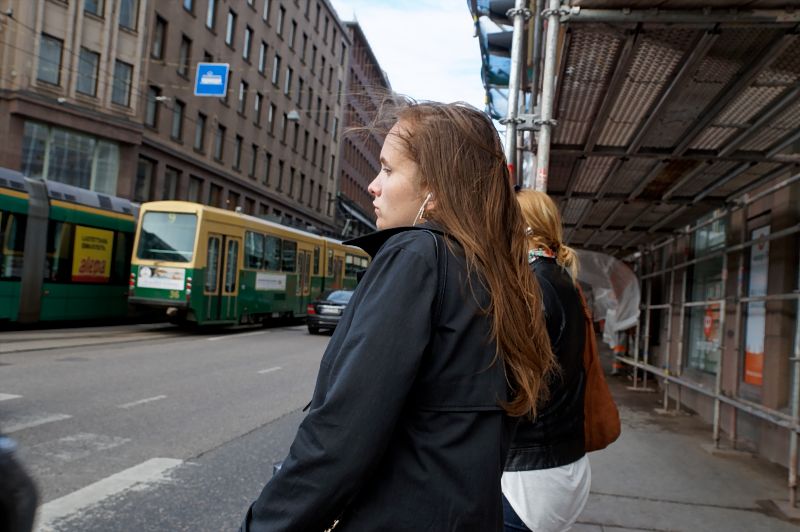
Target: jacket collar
x=372, y=242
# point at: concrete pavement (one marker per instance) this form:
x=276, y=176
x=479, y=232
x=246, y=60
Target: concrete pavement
x=658, y=477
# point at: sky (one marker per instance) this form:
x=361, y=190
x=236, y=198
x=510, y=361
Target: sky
x=426, y=47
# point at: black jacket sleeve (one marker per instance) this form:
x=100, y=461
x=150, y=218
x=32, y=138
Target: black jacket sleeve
x=365, y=377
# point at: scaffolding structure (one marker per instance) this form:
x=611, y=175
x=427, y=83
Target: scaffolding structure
x=670, y=373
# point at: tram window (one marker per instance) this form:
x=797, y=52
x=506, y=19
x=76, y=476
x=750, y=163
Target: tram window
x=272, y=254
x=167, y=236
x=316, y=260
x=212, y=264
x=231, y=266
x=253, y=250
x=121, y=267
x=288, y=262
x=12, y=244
x=330, y=263
x=58, y=265
x=350, y=268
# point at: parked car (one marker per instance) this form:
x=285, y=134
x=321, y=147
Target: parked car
x=326, y=311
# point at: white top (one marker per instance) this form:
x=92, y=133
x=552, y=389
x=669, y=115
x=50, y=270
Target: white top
x=549, y=500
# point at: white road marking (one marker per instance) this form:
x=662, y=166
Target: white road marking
x=140, y=476
x=231, y=336
x=32, y=421
x=7, y=396
x=143, y=401
x=270, y=370
x=77, y=446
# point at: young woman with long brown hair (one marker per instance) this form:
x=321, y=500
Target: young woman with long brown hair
x=409, y=424
x=547, y=478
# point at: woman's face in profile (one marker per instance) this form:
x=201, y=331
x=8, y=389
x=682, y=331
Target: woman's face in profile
x=396, y=187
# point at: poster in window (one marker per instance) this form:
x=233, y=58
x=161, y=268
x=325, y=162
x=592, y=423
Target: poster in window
x=756, y=310
x=91, y=257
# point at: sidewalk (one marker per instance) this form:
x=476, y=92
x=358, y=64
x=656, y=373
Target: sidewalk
x=658, y=477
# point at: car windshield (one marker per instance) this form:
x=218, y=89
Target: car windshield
x=337, y=296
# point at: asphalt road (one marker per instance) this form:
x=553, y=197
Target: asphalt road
x=153, y=428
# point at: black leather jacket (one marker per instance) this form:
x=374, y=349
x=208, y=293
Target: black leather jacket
x=555, y=437
x=405, y=429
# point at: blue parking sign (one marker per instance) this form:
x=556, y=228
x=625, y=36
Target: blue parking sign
x=211, y=79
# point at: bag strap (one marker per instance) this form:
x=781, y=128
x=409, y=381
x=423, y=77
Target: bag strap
x=441, y=263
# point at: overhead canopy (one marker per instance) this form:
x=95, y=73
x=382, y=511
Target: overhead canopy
x=665, y=114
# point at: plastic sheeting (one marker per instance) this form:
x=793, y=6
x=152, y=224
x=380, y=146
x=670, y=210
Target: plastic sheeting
x=614, y=296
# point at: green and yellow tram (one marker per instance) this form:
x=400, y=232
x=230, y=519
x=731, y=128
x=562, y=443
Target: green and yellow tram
x=206, y=265
x=64, y=251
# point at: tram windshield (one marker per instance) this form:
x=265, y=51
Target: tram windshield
x=167, y=236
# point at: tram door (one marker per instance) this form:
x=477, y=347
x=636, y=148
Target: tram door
x=222, y=277
x=303, y=280
x=230, y=285
x=338, y=272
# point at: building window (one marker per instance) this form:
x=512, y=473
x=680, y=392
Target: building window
x=299, y=90
x=333, y=166
x=325, y=33
x=265, y=11
x=219, y=143
x=707, y=284
x=314, y=153
x=284, y=124
x=313, y=57
x=195, y=188
x=50, y=60
x=290, y=191
x=145, y=168
x=339, y=92
x=215, y=195
x=184, y=56
x=257, y=108
x=231, y=28
x=267, y=166
x=279, y=188
x=322, y=70
x=319, y=196
x=237, y=152
x=292, y=34
x=253, y=160
x=327, y=117
x=319, y=108
x=159, y=38
x=322, y=159
x=330, y=78
x=188, y=5
x=95, y=7
x=310, y=99
x=333, y=42
x=287, y=83
x=316, y=19
x=296, y=136
x=304, y=48
x=200, y=132
x=281, y=15
x=248, y=37
x=335, y=130
x=128, y=13
x=121, y=91
x=211, y=14
x=69, y=157
x=151, y=110
x=305, y=145
x=243, y=87
x=177, y=120
x=276, y=70
x=271, y=118
x=342, y=56
x=170, y=189
x=262, y=58
x=87, y=72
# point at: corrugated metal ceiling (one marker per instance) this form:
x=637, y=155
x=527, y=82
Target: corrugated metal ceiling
x=660, y=121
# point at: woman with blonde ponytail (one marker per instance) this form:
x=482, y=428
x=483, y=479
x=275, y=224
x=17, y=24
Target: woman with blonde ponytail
x=547, y=476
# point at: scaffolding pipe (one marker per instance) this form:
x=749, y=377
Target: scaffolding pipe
x=721, y=334
x=681, y=326
x=548, y=96
x=773, y=17
x=669, y=326
x=737, y=338
x=795, y=404
x=646, y=337
x=637, y=337
x=752, y=409
x=518, y=15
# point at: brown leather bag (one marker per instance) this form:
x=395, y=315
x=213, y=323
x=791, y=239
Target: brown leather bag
x=601, y=423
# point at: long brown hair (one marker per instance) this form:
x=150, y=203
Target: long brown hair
x=541, y=215
x=461, y=162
